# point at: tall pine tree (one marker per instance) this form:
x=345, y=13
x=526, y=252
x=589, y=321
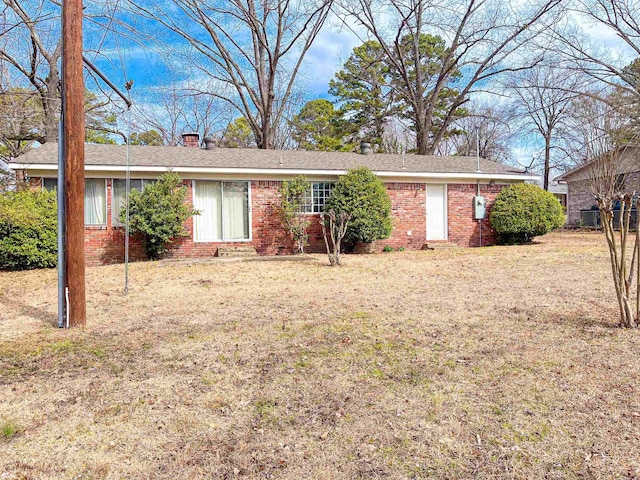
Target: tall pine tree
x=372, y=90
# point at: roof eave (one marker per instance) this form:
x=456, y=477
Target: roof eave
x=287, y=172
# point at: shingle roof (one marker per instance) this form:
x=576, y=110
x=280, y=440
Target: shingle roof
x=176, y=157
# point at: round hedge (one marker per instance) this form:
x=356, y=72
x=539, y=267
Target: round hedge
x=363, y=195
x=523, y=211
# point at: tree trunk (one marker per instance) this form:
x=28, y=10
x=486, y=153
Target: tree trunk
x=547, y=158
x=265, y=135
x=422, y=140
x=50, y=96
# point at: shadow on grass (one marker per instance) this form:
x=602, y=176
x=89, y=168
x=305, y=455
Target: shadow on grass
x=583, y=321
x=20, y=308
x=580, y=319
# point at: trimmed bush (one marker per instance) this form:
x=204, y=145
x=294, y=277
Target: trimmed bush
x=294, y=198
x=158, y=213
x=523, y=211
x=361, y=194
x=28, y=230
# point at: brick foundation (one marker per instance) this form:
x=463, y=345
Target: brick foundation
x=105, y=244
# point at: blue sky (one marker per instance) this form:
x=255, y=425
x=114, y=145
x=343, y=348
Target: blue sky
x=151, y=67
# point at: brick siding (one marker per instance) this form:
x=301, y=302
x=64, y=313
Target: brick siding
x=581, y=197
x=105, y=244
x=463, y=229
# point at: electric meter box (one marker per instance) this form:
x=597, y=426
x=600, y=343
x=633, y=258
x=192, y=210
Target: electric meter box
x=479, y=207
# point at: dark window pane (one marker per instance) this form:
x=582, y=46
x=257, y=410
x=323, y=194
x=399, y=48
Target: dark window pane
x=50, y=184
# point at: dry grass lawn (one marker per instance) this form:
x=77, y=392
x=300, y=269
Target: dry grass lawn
x=501, y=362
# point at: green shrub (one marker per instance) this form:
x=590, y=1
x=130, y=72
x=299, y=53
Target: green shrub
x=158, y=213
x=387, y=248
x=28, y=230
x=294, y=199
x=523, y=211
x=362, y=194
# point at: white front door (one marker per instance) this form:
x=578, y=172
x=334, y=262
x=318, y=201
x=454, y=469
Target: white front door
x=436, y=212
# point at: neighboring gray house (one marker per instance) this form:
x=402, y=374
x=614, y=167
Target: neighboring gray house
x=560, y=191
x=578, y=180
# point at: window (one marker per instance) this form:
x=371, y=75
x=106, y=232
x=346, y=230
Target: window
x=317, y=197
x=224, y=211
x=95, y=199
x=50, y=184
x=118, y=196
x=320, y=192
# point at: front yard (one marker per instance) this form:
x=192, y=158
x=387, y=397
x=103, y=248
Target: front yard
x=501, y=362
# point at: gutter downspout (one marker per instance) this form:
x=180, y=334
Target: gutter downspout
x=479, y=220
x=478, y=171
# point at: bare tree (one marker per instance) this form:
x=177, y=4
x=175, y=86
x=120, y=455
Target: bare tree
x=486, y=38
x=253, y=47
x=620, y=17
x=397, y=136
x=334, y=226
x=543, y=96
x=616, y=73
x=7, y=178
x=485, y=130
x=599, y=130
x=31, y=47
x=161, y=111
x=30, y=51
x=172, y=110
x=20, y=119
x=283, y=134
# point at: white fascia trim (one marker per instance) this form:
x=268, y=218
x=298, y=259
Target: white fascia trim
x=284, y=171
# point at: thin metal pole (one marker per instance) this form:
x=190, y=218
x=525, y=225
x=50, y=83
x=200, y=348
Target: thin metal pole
x=478, y=150
x=126, y=199
x=62, y=303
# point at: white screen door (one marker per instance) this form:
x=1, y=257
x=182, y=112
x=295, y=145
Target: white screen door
x=436, y=212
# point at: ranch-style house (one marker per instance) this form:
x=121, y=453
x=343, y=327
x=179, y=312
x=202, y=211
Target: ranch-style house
x=237, y=193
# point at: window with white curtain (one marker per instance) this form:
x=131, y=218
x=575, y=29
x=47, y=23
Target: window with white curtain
x=95, y=201
x=224, y=211
x=118, y=196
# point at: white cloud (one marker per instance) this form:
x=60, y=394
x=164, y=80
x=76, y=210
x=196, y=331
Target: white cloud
x=326, y=56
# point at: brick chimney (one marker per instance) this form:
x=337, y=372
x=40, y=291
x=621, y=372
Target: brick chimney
x=191, y=140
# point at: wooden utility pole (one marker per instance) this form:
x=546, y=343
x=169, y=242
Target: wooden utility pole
x=73, y=95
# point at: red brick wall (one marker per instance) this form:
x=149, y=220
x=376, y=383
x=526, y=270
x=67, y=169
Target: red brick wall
x=268, y=235
x=463, y=229
x=105, y=244
x=408, y=217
